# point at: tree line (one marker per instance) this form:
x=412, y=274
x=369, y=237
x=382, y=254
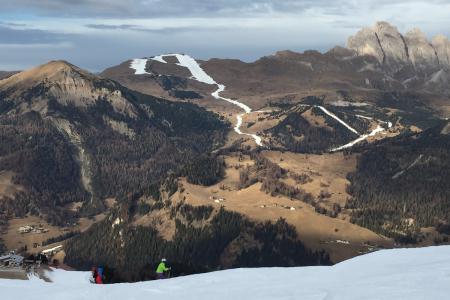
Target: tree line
x=401, y=185
x=132, y=253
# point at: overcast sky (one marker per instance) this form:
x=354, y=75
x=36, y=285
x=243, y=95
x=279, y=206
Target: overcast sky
x=95, y=34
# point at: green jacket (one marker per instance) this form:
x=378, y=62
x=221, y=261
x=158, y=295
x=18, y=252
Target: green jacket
x=162, y=268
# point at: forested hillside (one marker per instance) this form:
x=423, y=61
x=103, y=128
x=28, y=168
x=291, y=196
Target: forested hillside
x=66, y=146
x=401, y=185
x=204, y=240
x=307, y=129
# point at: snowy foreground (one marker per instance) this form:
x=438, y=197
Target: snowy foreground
x=390, y=274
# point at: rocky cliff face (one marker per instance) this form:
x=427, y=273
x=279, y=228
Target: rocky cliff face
x=396, y=51
x=441, y=45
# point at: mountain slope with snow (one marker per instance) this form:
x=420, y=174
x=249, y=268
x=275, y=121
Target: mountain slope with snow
x=199, y=75
x=421, y=273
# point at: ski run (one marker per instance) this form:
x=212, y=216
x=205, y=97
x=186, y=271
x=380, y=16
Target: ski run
x=337, y=119
x=139, y=66
x=413, y=274
x=414, y=163
x=200, y=75
x=362, y=137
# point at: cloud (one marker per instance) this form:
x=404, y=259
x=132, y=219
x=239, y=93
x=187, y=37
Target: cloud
x=96, y=34
x=174, y=28
x=112, y=27
x=192, y=8
x=26, y=36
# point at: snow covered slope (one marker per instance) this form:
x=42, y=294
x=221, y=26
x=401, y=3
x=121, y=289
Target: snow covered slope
x=390, y=274
x=199, y=75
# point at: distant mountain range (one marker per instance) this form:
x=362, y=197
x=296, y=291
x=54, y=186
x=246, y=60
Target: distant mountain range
x=294, y=159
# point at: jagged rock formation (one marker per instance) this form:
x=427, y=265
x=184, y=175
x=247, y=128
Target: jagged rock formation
x=409, y=59
x=441, y=45
x=396, y=51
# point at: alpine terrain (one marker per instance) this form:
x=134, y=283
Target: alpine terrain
x=293, y=160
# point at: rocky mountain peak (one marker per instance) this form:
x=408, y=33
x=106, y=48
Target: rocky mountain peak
x=54, y=71
x=383, y=41
x=416, y=34
x=396, y=51
x=64, y=83
x=441, y=45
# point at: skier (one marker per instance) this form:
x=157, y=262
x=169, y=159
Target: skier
x=162, y=269
x=99, y=278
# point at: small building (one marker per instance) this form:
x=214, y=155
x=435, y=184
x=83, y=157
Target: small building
x=25, y=229
x=11, y=260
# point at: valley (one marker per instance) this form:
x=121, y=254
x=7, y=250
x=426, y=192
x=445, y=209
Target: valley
x=294, y=159
x=326, y=176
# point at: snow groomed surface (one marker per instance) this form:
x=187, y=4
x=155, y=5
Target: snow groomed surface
x=200, y=75
x=413, y=274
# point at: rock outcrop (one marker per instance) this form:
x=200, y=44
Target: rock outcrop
x=66, y=84
x=421, y=53
x=396, y=51
x=441, y=44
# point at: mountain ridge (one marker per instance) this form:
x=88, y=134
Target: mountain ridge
x=389, y=46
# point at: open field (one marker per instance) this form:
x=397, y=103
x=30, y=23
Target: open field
x=338, y=236
x=328, y=172
x=14, y=240
x=7, y=187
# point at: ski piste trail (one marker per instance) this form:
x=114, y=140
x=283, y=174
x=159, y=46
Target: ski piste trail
x=138, y=65
x=337, y=119
x=364, y=136
x=200, y=75
x=361, y=137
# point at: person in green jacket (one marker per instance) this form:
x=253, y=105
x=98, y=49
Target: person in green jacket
x=160, y=271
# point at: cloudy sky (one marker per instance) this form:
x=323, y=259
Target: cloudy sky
x=95, y=34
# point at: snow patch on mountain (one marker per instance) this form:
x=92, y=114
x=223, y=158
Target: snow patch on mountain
x=159, y=58
x=139, y=64
x=412, y=165
x=343, y=103
x=360, y=139
x=337, y=119
x=200, y=75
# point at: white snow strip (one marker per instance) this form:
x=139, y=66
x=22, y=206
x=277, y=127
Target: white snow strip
x=200, y=75
x=138, y=65
x=344, y=103
x=197, y=72
x=415, y=162
x=364, y=117
x=56, y=248
x=437, y=77
x=257, y=139
x=389, y=124
x=360, y=139
x=241, y=105
x=159, y=58
x=413, y=274
x=337, y=119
